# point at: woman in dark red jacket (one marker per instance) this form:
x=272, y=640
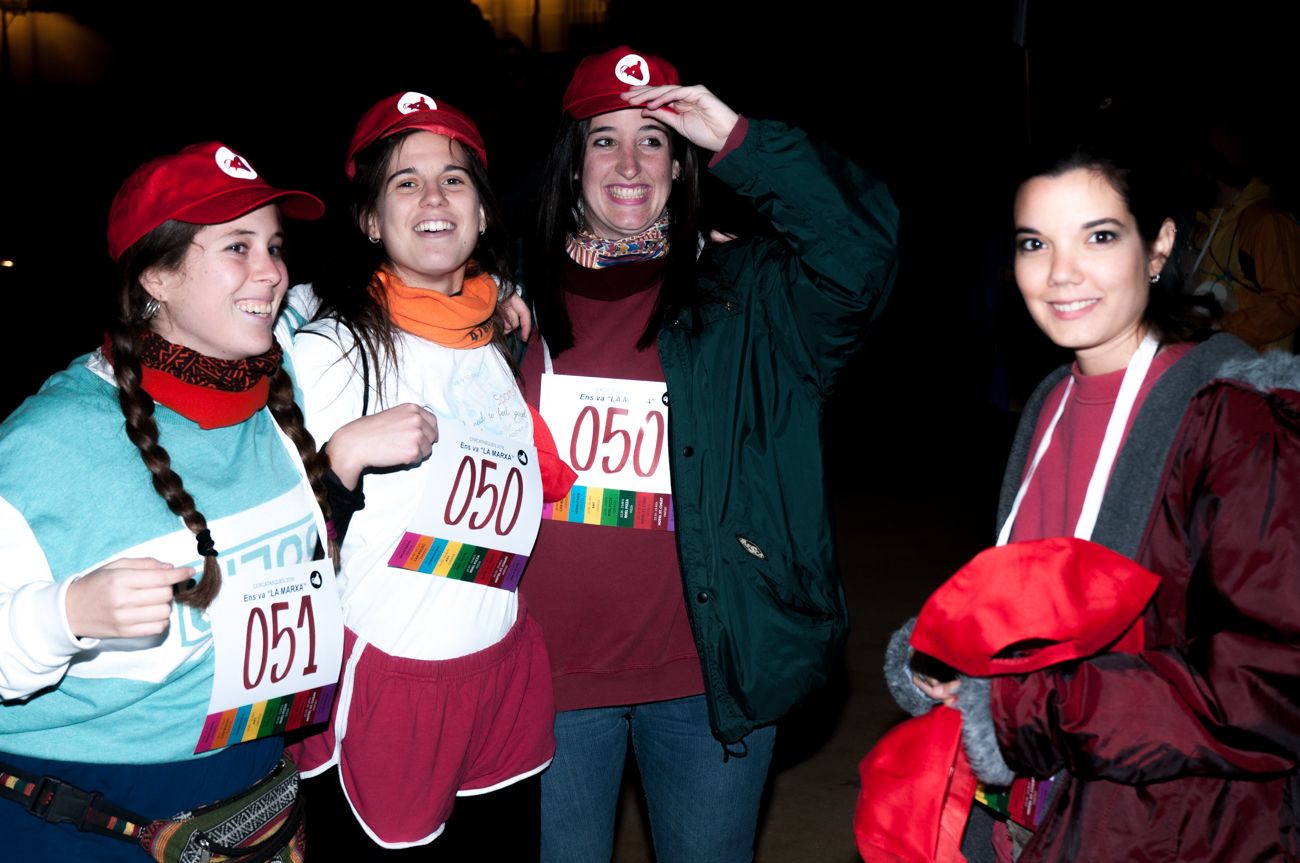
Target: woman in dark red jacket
x=1186, y=458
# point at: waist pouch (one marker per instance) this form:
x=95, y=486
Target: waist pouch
x=262, y=824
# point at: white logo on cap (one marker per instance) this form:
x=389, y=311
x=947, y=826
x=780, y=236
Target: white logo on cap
x=632, y=69
x=234, y=165
x=411, y=102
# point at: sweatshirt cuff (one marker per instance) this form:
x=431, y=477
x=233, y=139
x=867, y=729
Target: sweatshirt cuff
x=978, y=735
x=52, y=605
x=344, y=503
x=898, y=672
x=734, y=140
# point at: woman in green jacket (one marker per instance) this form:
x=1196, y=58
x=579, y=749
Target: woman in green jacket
x=687, y=586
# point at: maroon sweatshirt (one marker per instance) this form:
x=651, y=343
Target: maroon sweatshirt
x=609, y=599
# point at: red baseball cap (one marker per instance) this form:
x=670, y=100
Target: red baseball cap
x=411, y=110
x=1043, y=601
x=205, y=184
x=601, y=78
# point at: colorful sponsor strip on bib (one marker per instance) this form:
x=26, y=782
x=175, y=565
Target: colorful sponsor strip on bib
x=613, y=507
x=461, y=561
x=993, y=798
x=266, y=718
x=1027, y=801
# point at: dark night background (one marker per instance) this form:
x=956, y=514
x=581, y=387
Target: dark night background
x=937, y=99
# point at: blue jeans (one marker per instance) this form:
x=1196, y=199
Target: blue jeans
x=702, y=808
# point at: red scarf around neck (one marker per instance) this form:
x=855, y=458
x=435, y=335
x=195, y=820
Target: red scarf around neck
x=212, y=392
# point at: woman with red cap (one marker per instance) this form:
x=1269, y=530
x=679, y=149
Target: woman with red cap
x=446, y=692
x=687, y=584
x=1183, y=454
x=119, y=543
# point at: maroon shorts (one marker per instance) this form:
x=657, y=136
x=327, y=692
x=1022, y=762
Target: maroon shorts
x=409, y=735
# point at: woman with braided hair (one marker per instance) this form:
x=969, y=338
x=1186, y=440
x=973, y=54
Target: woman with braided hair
x=116, y=535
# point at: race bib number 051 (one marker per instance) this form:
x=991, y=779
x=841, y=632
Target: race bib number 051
x=278, y=642
x=478, y=518
x=614, y=434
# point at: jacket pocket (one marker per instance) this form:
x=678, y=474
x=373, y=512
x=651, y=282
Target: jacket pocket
x=773, y=635
x=788, y=584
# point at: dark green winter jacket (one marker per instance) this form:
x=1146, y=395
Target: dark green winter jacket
x=784, y=316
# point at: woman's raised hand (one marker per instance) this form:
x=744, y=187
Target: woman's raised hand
x=128, y=598
x=697, y=114
x=400, y=435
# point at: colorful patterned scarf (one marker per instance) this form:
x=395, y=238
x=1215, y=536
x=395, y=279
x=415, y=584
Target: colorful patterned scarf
x=592, y=252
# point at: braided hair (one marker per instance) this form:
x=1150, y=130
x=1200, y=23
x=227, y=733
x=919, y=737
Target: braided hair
x=165, y=247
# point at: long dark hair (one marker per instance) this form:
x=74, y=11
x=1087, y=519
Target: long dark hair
x=164, y=247
x=346, y=291
x=1172, y=314
x=560, y=215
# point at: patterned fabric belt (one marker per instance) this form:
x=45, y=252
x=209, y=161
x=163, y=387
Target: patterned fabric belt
x=57, y=802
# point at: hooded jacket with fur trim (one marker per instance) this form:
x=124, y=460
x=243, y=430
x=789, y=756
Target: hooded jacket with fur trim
x=1188, y=749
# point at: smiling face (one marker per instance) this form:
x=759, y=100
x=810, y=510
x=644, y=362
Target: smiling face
x=222, y=299
x=1083, y=268
x=428, y=215
x=627, y=173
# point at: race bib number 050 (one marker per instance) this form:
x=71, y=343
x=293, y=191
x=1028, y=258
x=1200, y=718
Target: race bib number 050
x=614, y=434
x=478, y=518
x=278, y=642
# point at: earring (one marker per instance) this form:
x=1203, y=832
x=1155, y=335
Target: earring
x=482, y=229
x=374, y=240
x=1155, y=278
x=151, y=308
